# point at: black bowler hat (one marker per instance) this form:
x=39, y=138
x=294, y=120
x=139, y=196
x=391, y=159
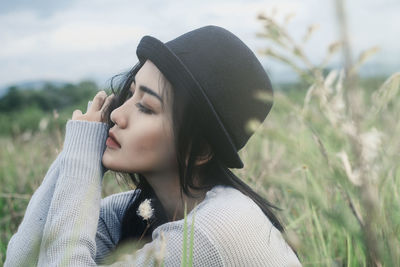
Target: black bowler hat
x=223, y=77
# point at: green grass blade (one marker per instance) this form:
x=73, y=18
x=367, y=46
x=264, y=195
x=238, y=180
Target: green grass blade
x=191, y=241
x=184, y=257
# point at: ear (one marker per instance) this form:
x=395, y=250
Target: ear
x=205, y=156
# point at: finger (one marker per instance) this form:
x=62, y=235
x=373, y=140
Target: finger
x=76, y=113
x=107, y=101
x=98, y=100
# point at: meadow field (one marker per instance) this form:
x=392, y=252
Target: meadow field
x=326, y=155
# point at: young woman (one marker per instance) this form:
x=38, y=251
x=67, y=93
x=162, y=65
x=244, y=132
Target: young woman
x=174, y=125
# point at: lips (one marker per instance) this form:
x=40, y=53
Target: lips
x=112, y=136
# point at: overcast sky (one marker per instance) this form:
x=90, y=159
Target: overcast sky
x=95, y=39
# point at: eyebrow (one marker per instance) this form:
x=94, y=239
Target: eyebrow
x=146, y=89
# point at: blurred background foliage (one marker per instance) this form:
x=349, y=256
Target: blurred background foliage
x=328, y=152
x=27, y=110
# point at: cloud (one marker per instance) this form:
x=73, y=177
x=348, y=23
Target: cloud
x=85, y=36
x=44, y=8
x=98, y=38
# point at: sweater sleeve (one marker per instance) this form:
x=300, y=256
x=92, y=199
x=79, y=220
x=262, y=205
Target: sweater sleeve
x=23, y=247
x=71, y=224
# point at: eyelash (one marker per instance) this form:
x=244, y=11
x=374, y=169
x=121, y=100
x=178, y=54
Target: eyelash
x=140, y=106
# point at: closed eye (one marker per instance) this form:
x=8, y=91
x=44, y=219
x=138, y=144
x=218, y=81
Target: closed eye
x=142, y=108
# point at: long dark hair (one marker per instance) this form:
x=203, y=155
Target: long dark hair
x=189, y=144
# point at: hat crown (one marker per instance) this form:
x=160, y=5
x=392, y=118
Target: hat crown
x=227, y=74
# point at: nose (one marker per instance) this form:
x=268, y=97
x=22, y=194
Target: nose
x=118, y=116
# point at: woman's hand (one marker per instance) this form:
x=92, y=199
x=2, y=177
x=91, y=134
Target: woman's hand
x=100, y=102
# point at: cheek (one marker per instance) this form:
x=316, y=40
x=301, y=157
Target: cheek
x=148, y=140
x=154, y=141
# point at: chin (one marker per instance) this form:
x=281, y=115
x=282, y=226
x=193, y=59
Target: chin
x=107, y=163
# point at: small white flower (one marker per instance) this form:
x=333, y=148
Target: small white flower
x=352, y=175
x=55, y=114
x=145, y=210
x=338, y=105
x=44, y=122
x=371, y=142
x=349, y=128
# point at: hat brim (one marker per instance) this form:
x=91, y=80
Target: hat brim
x=169, y=64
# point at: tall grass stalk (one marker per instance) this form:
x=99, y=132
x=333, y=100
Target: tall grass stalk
x=344, y=137
x=185, y=261
x=184, y=244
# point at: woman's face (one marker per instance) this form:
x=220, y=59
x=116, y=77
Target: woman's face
x=142, y=127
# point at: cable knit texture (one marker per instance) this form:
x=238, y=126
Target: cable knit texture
x=68, y=224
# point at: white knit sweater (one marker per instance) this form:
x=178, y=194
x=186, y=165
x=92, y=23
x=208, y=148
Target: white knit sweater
x=68, y=224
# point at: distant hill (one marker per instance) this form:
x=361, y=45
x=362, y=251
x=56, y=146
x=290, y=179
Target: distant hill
x=32, y=85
